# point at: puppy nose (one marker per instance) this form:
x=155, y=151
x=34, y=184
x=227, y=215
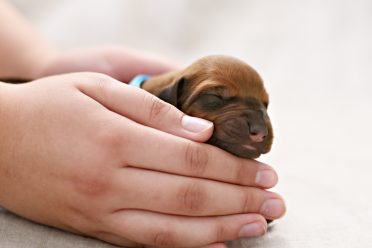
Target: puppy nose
x=257, y=137
x=257, y=133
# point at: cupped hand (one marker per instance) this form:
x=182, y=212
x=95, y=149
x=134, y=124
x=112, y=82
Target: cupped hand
x=119, y=62
x=88, y=154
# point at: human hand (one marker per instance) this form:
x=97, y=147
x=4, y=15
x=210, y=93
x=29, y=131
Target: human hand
x=87, y=154
x=118, y=62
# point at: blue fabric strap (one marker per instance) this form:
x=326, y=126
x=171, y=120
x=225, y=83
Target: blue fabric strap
x=138, y=80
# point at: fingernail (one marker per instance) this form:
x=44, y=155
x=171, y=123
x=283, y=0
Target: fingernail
x=273, y=208
x=252, y=230
x=194, y=124
x=266, y=178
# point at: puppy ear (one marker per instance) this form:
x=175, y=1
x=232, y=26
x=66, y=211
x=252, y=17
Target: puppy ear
x=172, y=94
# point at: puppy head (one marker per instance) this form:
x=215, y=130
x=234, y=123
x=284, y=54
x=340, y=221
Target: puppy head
x=229, y=93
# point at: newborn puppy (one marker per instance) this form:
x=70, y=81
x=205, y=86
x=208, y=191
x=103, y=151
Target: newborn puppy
x=227, y=92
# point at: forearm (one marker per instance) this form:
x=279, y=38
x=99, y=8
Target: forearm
x=23, y=51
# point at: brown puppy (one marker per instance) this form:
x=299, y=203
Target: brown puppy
x=227, y=92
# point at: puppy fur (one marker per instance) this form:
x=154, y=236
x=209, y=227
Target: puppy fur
x=227, y=92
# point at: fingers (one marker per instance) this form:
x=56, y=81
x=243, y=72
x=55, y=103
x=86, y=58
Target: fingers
x=169, y=153
x=164, y=152
x=159, y=230
x=171, y=194
x=143, y=107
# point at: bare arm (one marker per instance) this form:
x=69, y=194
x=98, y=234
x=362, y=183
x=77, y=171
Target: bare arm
x=23, y=51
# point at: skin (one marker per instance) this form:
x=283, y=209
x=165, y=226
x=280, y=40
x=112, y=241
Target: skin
x=76, y=154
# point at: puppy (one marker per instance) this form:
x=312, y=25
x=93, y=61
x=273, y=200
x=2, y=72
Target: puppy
x=227, y=92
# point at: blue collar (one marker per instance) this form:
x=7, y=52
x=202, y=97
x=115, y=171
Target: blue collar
x=138, y=80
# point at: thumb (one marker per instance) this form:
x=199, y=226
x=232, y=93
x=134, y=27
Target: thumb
x=144, y=108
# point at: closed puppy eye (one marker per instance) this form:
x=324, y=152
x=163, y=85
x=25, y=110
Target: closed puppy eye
x=211, y=100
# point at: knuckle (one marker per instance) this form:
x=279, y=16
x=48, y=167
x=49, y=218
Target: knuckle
x=163, y=239
x=100, y=79
x=196, y=159
x=221, y=232
x=103, y=82
x=157, y=108
x=109, y=138
x=191, y=197
x=249, y=201
x=240, y=176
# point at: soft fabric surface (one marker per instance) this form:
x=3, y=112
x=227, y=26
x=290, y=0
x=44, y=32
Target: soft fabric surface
x=315, y=57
